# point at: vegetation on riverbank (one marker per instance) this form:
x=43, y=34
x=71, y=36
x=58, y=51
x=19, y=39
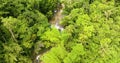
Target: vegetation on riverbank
x=91, y=31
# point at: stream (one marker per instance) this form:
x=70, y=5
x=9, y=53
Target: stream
x=57, y=18
x=54, y=23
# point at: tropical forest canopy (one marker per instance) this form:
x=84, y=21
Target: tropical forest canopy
x=91, y=31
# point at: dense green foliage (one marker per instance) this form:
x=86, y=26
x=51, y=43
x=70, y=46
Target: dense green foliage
x=91, y=34
x=91, y=31
x=22, y=23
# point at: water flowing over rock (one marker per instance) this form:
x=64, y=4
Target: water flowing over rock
x=57, y=18
x=54, y=23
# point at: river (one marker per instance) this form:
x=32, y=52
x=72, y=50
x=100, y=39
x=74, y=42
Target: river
x=57, y=18
x=54, y=23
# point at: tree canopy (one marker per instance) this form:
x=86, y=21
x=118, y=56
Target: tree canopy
x=91, y=31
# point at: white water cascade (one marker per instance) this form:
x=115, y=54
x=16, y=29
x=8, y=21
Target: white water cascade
x=57, y=26
x=57, y=18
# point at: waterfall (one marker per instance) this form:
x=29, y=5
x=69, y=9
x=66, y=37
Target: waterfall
x=57, y=18
x=57, y=26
